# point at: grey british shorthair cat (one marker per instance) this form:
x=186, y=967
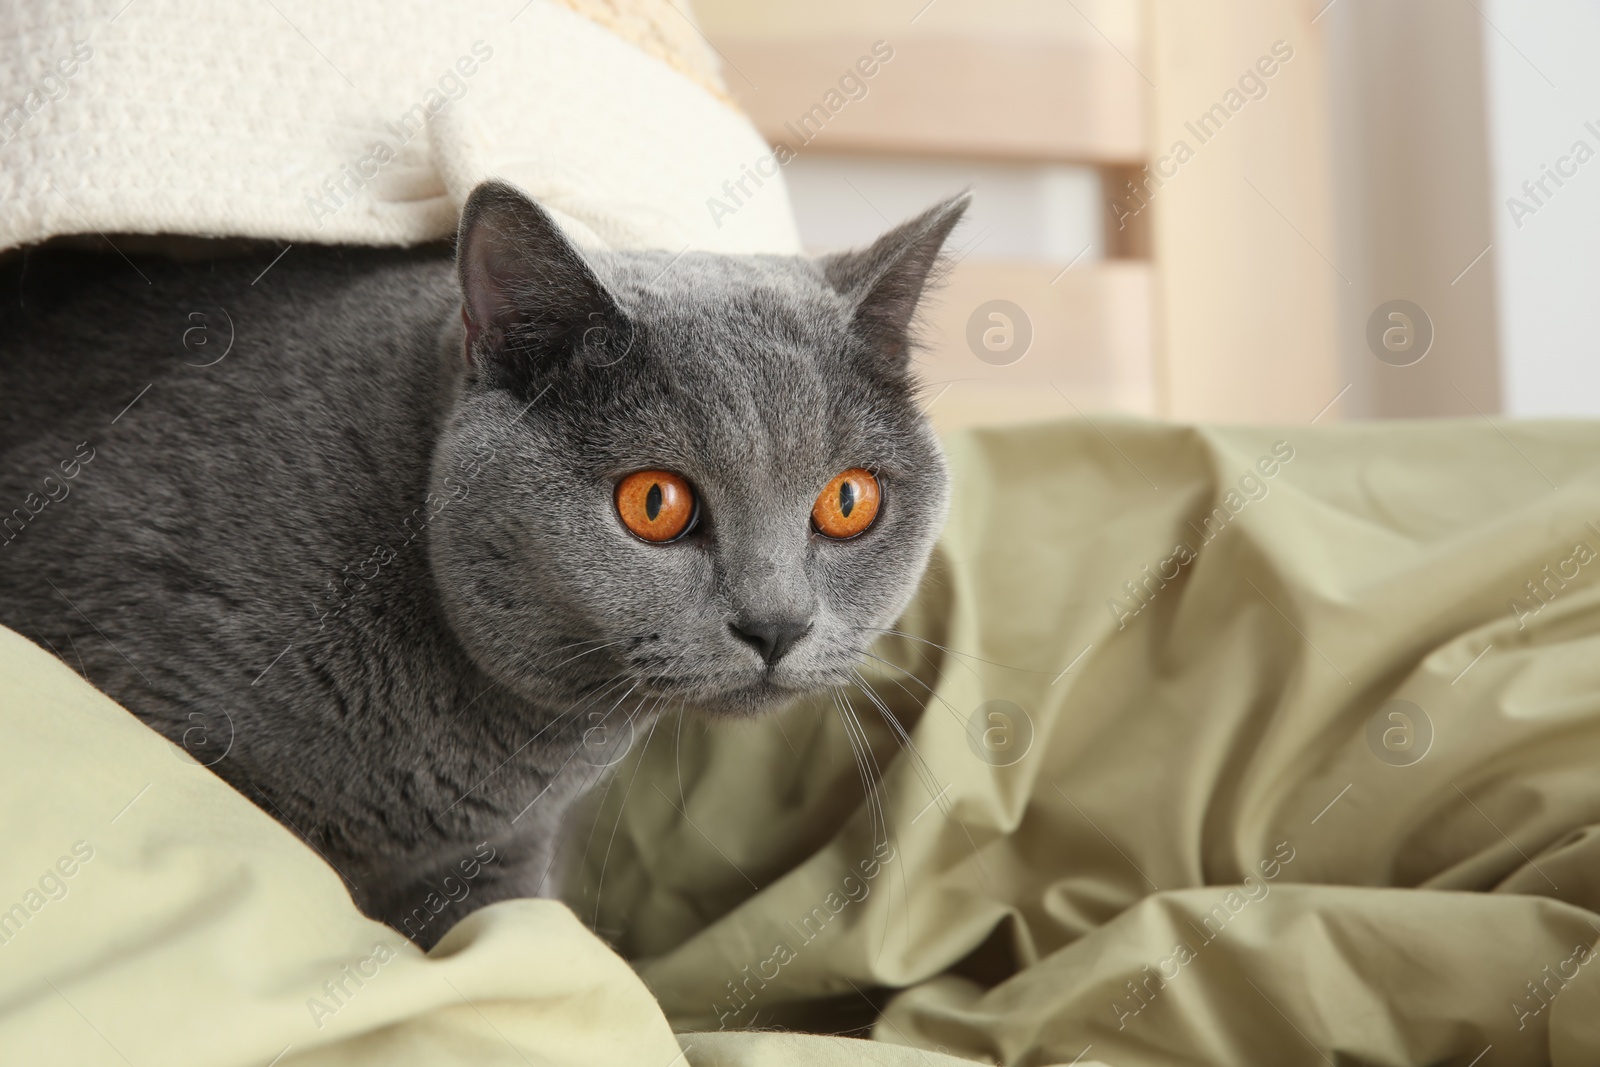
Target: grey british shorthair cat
x=388, y=563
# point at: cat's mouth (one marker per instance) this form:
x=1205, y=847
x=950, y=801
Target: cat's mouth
x=742, y=695
x=733, y=682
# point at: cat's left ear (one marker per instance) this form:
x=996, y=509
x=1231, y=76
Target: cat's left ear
x=886, y=280
x=529, y=298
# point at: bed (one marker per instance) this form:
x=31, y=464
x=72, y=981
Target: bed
x=1220, y=746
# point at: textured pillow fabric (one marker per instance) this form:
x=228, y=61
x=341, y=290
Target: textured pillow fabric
x=368, y=122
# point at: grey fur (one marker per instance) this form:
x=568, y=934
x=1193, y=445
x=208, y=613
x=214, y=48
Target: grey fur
x=381, y=588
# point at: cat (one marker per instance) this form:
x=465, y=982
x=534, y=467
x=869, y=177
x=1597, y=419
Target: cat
x=409, y=545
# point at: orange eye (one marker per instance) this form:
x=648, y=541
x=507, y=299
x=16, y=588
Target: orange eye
x=848, y=505
x=656, y=505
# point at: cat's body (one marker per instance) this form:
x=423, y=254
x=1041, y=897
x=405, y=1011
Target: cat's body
x=380, y=587
x=231, y=514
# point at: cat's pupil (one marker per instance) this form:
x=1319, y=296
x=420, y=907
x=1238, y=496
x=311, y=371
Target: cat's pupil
x=847, y=498
x=652, y=502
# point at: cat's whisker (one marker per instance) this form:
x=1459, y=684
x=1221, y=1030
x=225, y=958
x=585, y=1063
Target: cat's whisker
x=929, y=779
x=553, y=721
x=569, y=814
x=586, y=652
x=563, y=827
x=866, y=762
x=677, y=750
x=872, y=756
x=855, y=752
x=933, y=693
x=531, y=658
x=599, y=807
x=778, y=721
x=538, y=661
x=949, y=651
x=622, y=809
x=919, y=765
x=930, y=782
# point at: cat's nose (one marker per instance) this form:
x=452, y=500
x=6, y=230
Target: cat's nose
x=772, y=637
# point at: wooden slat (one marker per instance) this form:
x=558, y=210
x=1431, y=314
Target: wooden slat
x=998, y=97
x=1244, y=230
x=1091, y=347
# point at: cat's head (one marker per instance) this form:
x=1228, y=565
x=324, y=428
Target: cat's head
x=638, y=488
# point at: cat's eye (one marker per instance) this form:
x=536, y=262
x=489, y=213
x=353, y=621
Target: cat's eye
x=848, y=505
x=656, y=505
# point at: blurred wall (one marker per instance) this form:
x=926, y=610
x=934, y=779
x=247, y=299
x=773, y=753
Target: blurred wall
x=1242, y=210
x=1544, y=100
x=1414, y=202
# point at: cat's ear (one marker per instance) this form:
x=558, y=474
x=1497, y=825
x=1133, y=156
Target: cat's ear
x=529, y=298
x=886, y=280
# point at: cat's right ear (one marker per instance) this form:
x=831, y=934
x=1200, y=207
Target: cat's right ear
x=529, y=298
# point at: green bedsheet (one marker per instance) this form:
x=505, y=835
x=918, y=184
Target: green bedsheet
x=1231, y=747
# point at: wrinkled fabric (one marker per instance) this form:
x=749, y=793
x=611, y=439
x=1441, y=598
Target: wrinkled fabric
x=1313, y=779
x=1181, y=820
x=151, y=915
x=194, y=929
